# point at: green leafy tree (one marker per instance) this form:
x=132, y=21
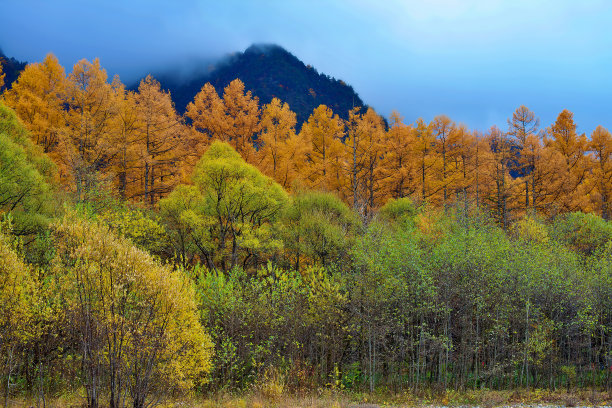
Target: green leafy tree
x=232, y=210
x=584, y=233
x=25, y=176
x=143, y=229
x=318, y=228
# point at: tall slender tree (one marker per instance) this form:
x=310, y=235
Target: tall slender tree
x=399, y=162
x=567, y=190
x=323, y=134
x=600, y=147
x=234, y=119
x=363, y=153
x=87, y=142
x=277, y=128
x=444, y=131
x=524, y=127
x=38, y=97
x=162, y=135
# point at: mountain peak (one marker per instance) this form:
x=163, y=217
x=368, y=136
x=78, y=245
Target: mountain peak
x=269, y=71
x=265, y=48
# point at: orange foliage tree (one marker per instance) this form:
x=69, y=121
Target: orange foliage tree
x=37, y=97
x=162, y=135
x=235, y=119
x=277, y=154
x=323, y=134
x=571, y=166
x=364, y=150
x=600, y=147
x=400, y=162
x=87, y=142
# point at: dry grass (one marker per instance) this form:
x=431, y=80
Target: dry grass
x=329, y=399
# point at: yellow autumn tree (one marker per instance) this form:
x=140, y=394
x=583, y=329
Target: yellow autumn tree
x=136, y=321
x=427, y=160
x=87, y=143
x=499, y=197
x=444, y=130
x=363, y=151
x=323, y=133
x=294, y=163
x=464, y=164
x=160, y=146
x=243, y=114
x=399, y=164
x=600, y=147
x=235, y=119
x=482, y=173
x=523, y=126
x=2, y=75
x=16, y=297
x=38, y=98
x=207, y=115
x=127, y=124
x=570, y=164
x=277, y=129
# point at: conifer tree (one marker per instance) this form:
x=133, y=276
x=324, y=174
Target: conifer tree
x=600, y=147
x=524, y=127
x=38, y=97
x=363, y=152
x=277, y=129
x=571, y=166
x=323, y=134
x=444, y=130
x=160, y=147
x=235, y=119
x=428, y=162
x=87, y=143
x=399, y=162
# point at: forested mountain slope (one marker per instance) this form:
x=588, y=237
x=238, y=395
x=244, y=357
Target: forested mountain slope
x=270, y=71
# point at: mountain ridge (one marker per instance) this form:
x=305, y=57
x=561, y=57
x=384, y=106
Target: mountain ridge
x=11, y=68
x=268, y=71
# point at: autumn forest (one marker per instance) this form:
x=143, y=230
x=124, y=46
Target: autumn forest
x=146, y=253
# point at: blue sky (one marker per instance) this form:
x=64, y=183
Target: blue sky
x=475, y=61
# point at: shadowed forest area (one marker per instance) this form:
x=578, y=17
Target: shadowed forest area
x=146, y=254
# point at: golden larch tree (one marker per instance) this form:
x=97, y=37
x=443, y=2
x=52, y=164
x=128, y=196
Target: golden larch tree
x=571, y=166
x=38, y=97
x=277, y=128
x=207, y=115
x=600, y=147
x=482, y=162
x=399, y=163
x=2, y=75
x=243, y=115
x=87, y=144
x=127, y=126
x=162, y=135
x=464, y=164
x=444, y=131
x=363, y=151
x=427, y=160
x=234, y=119
x=500, y=193
x=523, y=126
x=323, y=133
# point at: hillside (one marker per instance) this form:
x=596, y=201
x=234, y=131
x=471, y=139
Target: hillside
x=11, y=67
x=270, y=71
